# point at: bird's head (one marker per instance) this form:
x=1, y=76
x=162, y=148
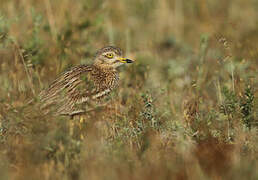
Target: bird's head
x=110, y=57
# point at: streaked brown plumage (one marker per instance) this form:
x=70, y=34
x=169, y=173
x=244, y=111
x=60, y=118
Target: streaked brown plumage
x=84, y=84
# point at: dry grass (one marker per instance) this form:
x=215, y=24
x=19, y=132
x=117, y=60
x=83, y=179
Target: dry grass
x=187, y=109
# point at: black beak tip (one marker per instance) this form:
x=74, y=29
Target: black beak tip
x=129, y=61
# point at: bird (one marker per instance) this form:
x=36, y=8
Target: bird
x=84, y=84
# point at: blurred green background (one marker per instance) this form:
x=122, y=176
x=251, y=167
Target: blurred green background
x=186, y=109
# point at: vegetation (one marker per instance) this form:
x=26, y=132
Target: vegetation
x=187, y=109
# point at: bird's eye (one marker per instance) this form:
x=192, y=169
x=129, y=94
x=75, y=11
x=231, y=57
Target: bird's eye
x=109, y=55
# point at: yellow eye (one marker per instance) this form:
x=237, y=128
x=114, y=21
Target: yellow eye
x=109, y=55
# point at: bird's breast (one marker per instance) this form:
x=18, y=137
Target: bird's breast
x=105, y=80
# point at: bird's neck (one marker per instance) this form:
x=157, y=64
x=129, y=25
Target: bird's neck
x=104, y=68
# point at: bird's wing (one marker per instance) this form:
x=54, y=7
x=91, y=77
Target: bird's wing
x=72, y=87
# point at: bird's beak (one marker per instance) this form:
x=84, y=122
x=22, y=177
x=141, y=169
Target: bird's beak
x=125, y=60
